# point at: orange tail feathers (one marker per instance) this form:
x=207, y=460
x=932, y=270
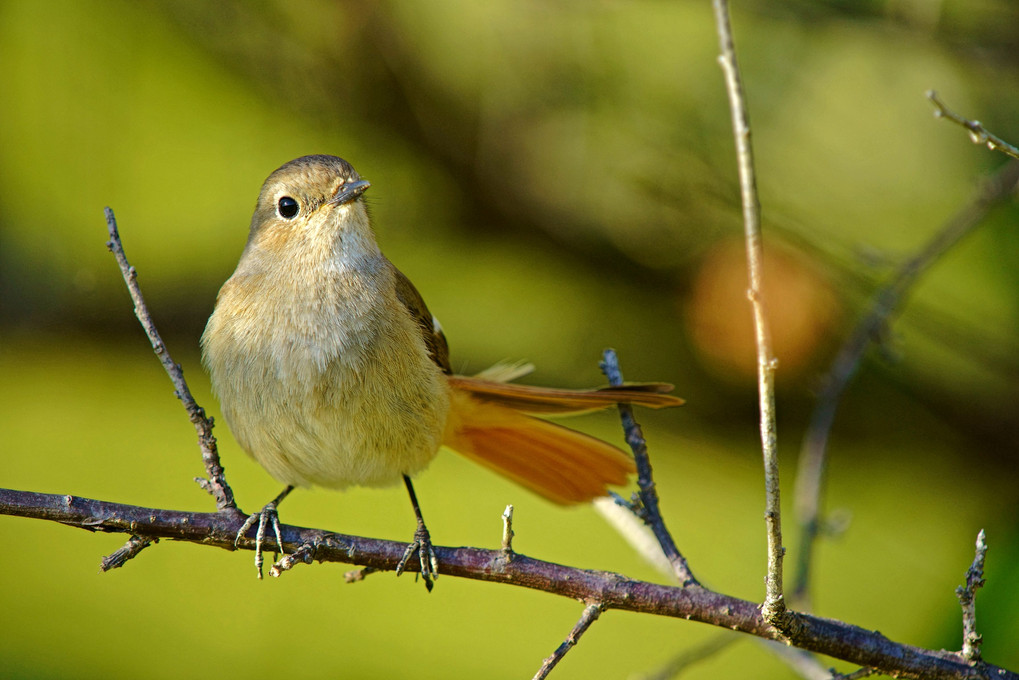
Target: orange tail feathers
x=548, y=400
x=487, y=423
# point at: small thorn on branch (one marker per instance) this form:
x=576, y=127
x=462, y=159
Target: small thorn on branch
x=967, y=594
x=507, y=531
x=134, y=545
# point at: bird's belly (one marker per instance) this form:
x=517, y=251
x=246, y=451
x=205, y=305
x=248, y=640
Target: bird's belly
x=365, y=423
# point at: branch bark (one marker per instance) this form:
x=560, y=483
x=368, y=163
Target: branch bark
x=613, y=591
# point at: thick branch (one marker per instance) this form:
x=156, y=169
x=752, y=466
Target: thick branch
x=613, y=591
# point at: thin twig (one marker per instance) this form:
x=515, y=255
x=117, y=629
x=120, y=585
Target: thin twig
x=977, y=132
x=971, y=639
x=590, y=615
x=216, y=482
x=774, y=603
x=887, y=300
x=647, y=494
x=119, y=558
x=836, y=639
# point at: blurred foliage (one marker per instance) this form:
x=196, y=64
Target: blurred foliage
x=555, y=178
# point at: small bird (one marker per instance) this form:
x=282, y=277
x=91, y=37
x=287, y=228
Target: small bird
x=331, y=371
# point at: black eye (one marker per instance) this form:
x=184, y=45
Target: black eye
x=288, y=208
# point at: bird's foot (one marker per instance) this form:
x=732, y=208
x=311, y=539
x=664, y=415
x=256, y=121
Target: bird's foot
x=267, y=517
x=422, y=545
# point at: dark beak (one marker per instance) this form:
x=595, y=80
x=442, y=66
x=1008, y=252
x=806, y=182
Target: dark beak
x=350, y=191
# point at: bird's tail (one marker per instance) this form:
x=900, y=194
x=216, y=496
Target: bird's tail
x=489, y=423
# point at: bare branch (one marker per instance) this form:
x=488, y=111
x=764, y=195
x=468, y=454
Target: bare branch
x=813, y=454
x=967, y=594
x=613, y=591
x=977, y=132
x=648, y=496
x=216, y=483
x=774, y=602
x=590, y=615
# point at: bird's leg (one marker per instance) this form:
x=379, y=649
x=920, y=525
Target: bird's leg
x=265, y=516
x=422, y=544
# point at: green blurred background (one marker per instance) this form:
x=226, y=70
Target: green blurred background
x=555, y=178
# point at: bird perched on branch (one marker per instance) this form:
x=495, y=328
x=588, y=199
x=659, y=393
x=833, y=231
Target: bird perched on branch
x=332, y=372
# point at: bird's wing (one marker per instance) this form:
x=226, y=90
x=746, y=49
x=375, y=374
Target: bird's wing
x=431, y=331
